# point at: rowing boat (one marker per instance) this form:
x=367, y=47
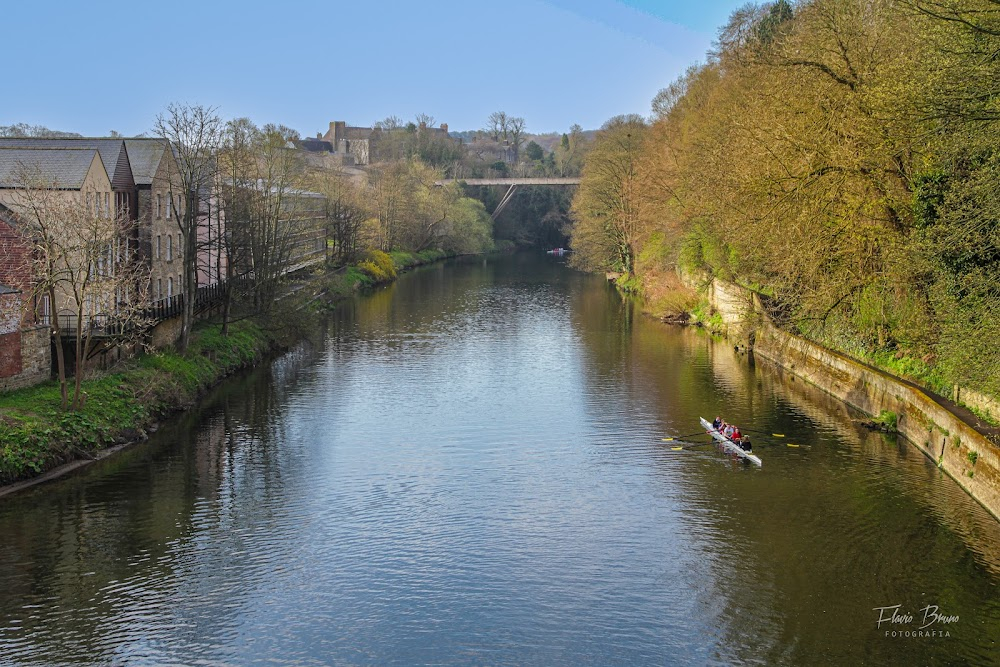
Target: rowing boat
x=729, y=445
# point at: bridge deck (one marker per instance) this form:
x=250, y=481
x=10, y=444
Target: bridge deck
x=511, y=181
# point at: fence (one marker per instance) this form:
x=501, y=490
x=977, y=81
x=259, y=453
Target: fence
x=110, y=326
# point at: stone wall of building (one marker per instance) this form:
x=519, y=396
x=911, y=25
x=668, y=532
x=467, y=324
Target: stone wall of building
x=166, y=333
x=33, y=345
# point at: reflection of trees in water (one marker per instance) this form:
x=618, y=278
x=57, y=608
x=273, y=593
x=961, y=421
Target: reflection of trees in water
x=854, y=518
x=110, y=540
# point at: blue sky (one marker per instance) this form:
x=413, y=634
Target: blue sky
x=94, y=67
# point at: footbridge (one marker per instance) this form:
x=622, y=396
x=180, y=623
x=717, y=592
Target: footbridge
x=511, y=184
x=511, y=181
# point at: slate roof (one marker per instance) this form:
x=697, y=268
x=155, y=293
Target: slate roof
x=109, y=149
x=145, y=155
x=4, y=289
x=63, y=168
x=354, y=133
x=316, y=145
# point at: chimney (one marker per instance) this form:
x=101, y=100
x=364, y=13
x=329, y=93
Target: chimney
x=423, y=125
x=444, y=127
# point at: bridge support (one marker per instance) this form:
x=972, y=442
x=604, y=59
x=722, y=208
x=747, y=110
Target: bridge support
x=503, y=202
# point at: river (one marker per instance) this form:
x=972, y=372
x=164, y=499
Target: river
x=468, y=468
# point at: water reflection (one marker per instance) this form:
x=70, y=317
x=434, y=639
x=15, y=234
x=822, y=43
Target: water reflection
x=467, y=468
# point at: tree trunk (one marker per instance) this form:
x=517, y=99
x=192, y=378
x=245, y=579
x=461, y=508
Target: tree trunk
x=60, y=355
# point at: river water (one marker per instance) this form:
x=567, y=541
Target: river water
x=468, y=468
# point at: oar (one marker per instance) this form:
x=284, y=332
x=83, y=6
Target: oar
x=776, y=435
x=787, y=444
x=692, y=446
x=681, y=437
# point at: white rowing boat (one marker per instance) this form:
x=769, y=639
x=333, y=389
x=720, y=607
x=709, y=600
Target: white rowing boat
x=728, y=444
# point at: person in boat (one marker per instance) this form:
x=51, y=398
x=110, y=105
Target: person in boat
x=737, y=436
x=717, y=424
x=728, y=430
x=745, y=444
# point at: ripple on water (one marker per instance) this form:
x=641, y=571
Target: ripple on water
x=472, y=471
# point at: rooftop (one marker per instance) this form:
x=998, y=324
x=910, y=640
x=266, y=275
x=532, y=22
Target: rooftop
x=59, y=168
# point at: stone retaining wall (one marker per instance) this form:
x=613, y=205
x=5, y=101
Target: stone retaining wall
x=958, y=449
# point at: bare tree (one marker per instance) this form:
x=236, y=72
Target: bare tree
x=237, y=181
x=515, y=133
x=195, y=134
x=346, y=211
x=274, y=223
x=80, y=262
x=425, y=119
x=497, y=126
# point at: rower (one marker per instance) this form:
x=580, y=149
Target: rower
x=745, y=444
x=717, y=424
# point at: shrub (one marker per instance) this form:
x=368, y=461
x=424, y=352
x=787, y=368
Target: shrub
x=887, y=420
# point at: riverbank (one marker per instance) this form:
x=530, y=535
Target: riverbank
x=955, y=438
x=121, y=405
x=39, y=441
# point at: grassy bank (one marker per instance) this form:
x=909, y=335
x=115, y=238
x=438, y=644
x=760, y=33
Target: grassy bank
x=122, y=404
x=376, y=268
x=36, y=435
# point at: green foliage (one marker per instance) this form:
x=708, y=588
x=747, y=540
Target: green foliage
x=35, y=434
x=928, y=197
x=629, y=283
x=533, y=151
x=887, y=421
x=973, y=457
x=378, y=266
x=908, y=367
x=504, y=246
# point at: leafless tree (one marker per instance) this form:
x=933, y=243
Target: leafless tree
x=81, y=263
x=195, y=135
x=515, y=133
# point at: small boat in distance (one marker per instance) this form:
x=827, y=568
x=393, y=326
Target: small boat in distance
x=557, y=251
x=728, y=445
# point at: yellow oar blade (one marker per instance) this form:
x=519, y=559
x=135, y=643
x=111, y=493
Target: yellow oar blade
x=778, y=435
x=791, y=445
x=667, y=439
x=675, y=449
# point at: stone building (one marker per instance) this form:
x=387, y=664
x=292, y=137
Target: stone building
x=360, y=143
x=157, y=194
x=25, y=356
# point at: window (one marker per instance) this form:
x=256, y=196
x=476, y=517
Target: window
x=159, y=240
x=170, y=201
x=159, y=206
x=170, y=288
x=46, y=310
x=88, y=202
x=107, y=204
x=170, y=247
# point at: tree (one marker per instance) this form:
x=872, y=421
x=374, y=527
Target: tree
x=569, y=155
x=515, y=130
x=237, y=182
x=346, y=211
x=534, y=152
x=195, y=134
x=497, y=126
x=81, y=264
x=607, y=205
